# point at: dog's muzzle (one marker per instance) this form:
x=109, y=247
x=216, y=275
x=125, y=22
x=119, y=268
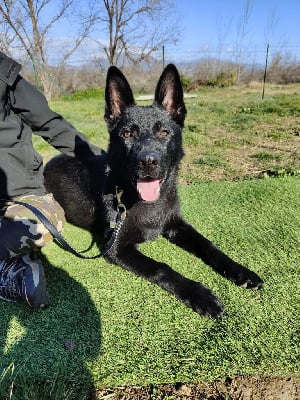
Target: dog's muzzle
x=148, y=182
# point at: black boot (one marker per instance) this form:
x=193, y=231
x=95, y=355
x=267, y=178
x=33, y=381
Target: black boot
x=22, y=280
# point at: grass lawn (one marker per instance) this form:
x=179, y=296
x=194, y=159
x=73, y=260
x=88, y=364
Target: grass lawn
x=107, y=327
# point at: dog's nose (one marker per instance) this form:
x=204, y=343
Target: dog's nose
x=148, y=159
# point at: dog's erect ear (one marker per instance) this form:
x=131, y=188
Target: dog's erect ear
x=118, y=94
x=169, y=94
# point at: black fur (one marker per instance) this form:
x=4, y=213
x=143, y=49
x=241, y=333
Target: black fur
x=142, y=159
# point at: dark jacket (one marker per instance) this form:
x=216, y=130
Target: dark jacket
x=24, y=111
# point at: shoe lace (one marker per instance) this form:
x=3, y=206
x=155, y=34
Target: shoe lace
x=12, y=284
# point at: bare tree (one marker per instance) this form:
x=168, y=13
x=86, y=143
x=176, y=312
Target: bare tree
x=137, y=28
x=28, y=25
x=241, y=34
x=223, y=29
x=6, y=38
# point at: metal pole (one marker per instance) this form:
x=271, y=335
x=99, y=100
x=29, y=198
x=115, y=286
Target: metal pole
x=265, y=73
x=163, y=55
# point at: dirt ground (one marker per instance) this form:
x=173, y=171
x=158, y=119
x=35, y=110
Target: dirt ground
x=234, y=388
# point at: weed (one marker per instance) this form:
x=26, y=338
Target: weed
x=211, y=160
x=280, y=172
x=242, y=120
x=264, y=156
x=157, y=394
x=192, y=128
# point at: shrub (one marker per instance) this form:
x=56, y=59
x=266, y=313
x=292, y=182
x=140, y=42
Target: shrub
x=90, y=93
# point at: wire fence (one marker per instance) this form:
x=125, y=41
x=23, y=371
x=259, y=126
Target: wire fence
x=255, y=55
x=227, y=52
x=223, y=65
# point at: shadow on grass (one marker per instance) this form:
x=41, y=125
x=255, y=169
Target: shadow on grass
x=45, y=352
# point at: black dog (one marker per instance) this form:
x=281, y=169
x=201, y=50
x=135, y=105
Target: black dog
x=143, y=158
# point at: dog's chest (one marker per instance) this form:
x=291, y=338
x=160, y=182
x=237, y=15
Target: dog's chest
x=144, y=222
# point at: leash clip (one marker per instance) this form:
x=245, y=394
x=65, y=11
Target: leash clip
x=121, y=209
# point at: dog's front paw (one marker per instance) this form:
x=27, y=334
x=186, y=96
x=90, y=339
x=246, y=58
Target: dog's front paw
x=250, y=280
x=203, y=301
x=243, y=277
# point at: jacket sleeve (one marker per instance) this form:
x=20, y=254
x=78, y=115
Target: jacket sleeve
x=33, y=109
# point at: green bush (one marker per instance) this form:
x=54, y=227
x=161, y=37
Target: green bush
x=185, y=81
x=91, y=93
x=223, y=79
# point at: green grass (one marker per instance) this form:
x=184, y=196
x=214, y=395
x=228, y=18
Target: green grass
x=107, y=327
x=263, y=155
x=127, y=331
x=234, y=123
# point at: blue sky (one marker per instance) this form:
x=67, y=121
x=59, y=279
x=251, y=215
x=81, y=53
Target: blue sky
x=209, y=24
x=203, y=21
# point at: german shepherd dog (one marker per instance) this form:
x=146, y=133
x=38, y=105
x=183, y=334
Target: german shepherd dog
x=142, y=160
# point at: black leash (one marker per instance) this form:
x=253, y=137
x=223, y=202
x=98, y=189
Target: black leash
x=61, y=241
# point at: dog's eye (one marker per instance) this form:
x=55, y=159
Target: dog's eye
x=126, y=134
x=163, y=133
x=132, y=133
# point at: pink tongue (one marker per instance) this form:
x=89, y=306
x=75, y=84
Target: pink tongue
x=148, y=189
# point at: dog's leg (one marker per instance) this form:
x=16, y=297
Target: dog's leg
x=193, y=294
x=184, y=235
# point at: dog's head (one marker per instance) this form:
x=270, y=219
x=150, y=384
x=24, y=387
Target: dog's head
x=145, y=141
